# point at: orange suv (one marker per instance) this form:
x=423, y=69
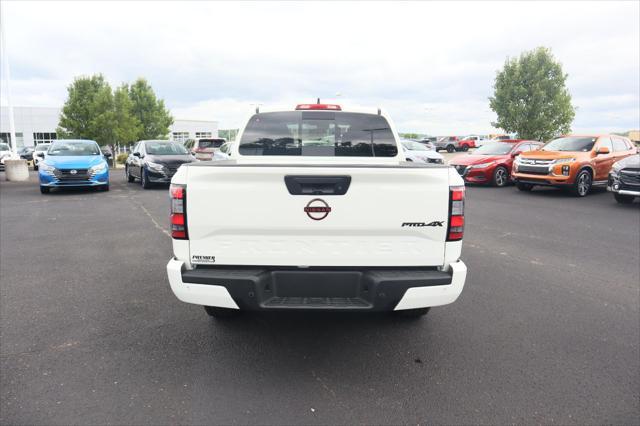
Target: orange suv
x=573, y=162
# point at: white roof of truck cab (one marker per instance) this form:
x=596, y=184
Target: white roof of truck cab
x=298, y=159
x=343, y=108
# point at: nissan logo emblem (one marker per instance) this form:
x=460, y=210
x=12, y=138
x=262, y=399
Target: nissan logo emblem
x=317, y=209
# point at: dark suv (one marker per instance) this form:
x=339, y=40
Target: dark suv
x=624, y=179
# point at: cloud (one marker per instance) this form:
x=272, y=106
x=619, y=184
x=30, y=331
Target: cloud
x=430, y=64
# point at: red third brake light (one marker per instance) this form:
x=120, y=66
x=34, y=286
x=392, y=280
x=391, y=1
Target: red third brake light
x=178, y=211
x=455, y=230
x=332, y=107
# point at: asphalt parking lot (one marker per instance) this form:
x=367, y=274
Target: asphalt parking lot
x=547, y=329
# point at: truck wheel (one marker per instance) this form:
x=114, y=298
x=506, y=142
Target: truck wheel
x=500, y=176
x=216, y=312
x=44, y=190
x=451, y=148
x=412, y=313
x=524, y=186
x=622, y=198
x=582, y=184
x=465, y=148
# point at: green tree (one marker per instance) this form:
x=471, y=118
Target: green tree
x=531, y=98
x=154, y=118
x=409, y=135
x=127, y=127
x=88, y=111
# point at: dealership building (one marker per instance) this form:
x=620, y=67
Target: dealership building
x=34, y=125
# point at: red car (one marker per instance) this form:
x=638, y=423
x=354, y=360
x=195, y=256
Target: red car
x=491, y=163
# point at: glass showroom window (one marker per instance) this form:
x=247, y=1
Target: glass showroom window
x=203, y=135
x=6, y=138
x=180, y=136
x=43, y=137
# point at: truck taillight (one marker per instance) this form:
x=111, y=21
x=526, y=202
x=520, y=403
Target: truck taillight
x=456, y=213
x=178, y=212
x=318, y=106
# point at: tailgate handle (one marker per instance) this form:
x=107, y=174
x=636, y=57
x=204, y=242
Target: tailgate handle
x=317, y=185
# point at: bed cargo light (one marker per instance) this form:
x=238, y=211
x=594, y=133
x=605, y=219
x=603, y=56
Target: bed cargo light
x=178, y=218
x=455, y=230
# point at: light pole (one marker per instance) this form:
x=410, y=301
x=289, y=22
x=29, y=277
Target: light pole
x=7, y=76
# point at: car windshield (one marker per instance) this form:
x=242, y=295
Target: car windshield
x=318, y=133
x=165, y=148
x=42, y=147
x=74, y=149
x=499, y=148
x=4, y=147
x=210, y=143
x=577, y=144
x=414, y=146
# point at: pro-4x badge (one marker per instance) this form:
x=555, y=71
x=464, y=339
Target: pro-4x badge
x=421, y=224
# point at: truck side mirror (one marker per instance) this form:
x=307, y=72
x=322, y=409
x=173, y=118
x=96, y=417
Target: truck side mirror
x=40, y=154
x=136, y=154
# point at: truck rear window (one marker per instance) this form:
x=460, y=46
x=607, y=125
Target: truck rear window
x=210, y=143
x=318, y=133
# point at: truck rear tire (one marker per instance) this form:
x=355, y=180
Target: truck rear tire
x=465, y=148
x=451, y=148
x=412, y=313
x=216, y=312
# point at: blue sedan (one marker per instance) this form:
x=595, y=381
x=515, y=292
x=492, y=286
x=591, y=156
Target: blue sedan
x=73, y=163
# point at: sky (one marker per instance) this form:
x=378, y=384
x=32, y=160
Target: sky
x=430, y=65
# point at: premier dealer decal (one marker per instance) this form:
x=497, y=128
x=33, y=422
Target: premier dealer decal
x=202, y=260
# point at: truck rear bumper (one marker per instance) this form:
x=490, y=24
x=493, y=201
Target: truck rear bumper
x=358, y=289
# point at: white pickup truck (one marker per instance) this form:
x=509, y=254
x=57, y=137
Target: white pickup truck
x=317, y=209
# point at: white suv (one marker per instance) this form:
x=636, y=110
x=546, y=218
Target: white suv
x=40, y=149
x=5, y=152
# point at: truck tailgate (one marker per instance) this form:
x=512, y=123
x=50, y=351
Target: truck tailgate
x=245, y=215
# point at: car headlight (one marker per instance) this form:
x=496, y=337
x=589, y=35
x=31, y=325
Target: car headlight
x=564, y=160
x=154, y=166
x=616, y=167
x=99, y=168
x=483, y=165
x=46, y=167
